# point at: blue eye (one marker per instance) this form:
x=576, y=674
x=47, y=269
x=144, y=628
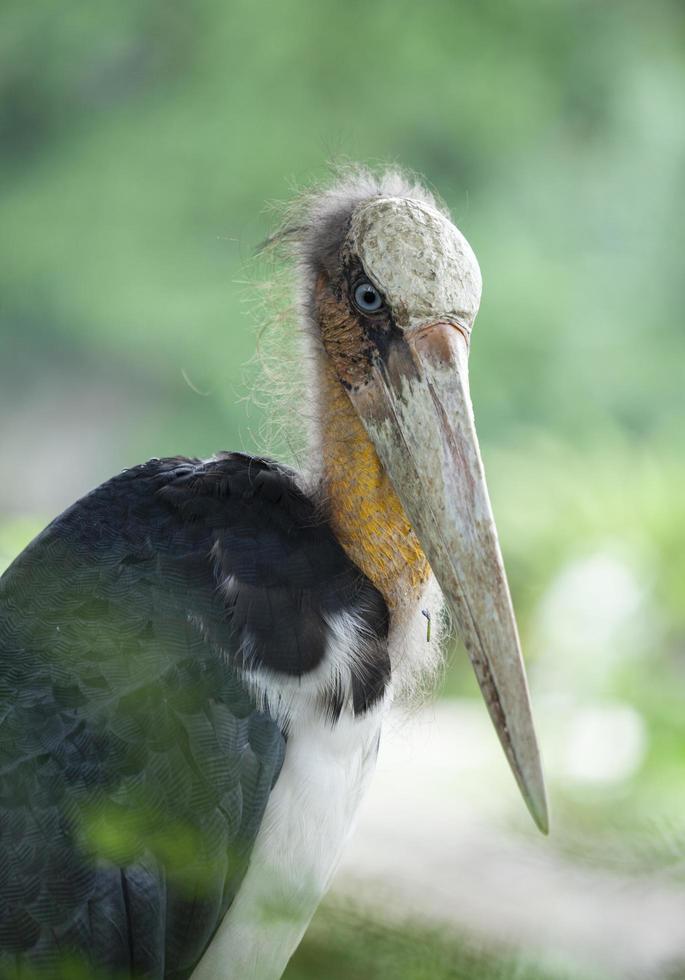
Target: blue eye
x=367, y=298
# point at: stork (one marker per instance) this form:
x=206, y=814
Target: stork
x=196, y=658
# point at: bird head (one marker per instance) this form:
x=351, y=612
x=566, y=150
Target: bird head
x=394, y=289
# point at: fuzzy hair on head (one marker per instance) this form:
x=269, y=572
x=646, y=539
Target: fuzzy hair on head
x=309, y=241
x=309, y=236
x=316, y=223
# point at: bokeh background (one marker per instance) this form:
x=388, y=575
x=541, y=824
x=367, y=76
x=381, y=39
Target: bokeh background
x=139, y=143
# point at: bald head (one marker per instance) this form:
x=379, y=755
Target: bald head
x=420, y=262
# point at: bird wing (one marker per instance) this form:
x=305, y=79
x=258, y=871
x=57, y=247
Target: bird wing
x=135, y=765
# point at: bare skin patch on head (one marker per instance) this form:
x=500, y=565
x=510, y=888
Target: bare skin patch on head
x=419, y=259
x=346, y=343
x=364, y=510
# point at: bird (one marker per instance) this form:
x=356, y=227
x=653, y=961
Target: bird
x=197, y=657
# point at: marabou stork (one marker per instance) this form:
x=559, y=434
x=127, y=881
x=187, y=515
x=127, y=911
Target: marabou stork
x=197, y=657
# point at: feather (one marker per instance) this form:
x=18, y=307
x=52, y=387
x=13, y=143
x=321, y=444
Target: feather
x=135, y=762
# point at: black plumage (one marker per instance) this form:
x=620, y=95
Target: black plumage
x=135, y=763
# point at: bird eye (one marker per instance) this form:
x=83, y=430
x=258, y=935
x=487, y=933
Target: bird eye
x=367, y=298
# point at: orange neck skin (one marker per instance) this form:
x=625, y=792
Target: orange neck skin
x=365, y=512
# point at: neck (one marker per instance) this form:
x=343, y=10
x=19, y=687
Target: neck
x=365, y=512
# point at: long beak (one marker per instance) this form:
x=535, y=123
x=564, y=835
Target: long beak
x=417, y=410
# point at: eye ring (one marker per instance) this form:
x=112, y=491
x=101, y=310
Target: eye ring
x=366, y=297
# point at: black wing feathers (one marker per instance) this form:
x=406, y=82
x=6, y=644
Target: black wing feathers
x=134, y=765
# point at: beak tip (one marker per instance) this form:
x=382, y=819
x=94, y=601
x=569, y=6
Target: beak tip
x=536, y=801
x=541, y=818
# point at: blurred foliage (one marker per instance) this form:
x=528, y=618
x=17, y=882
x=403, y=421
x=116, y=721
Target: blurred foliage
x=64, y=968
x=138, y=144
x=129, y=832
x=341, y=943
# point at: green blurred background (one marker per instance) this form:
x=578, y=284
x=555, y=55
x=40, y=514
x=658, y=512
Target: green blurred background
x=139, y=142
